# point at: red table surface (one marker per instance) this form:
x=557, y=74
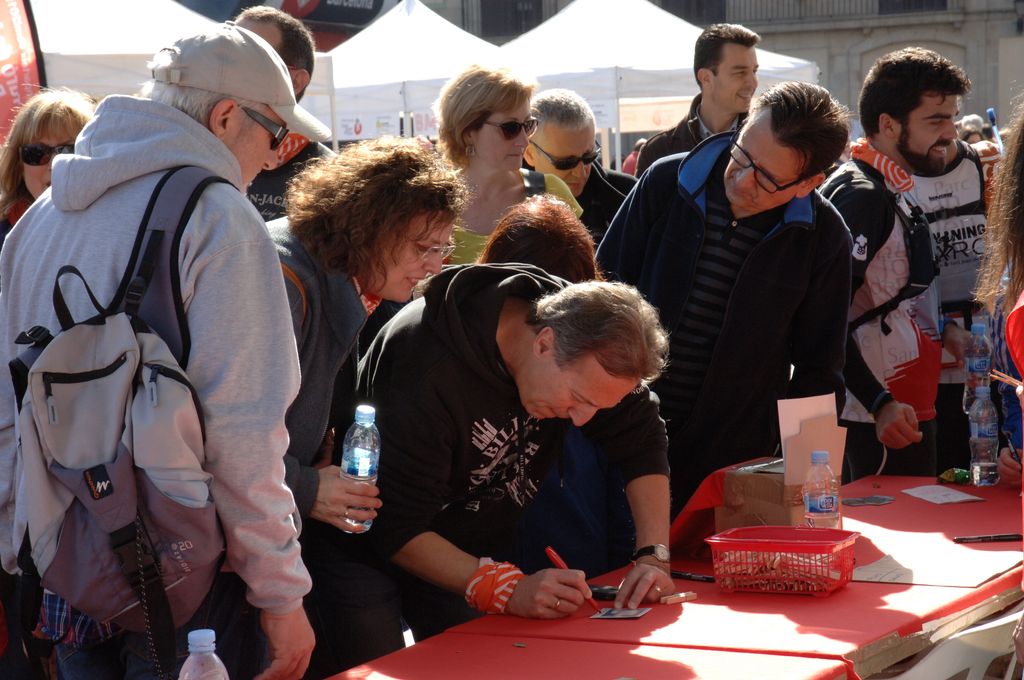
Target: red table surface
x=455, y=656
x=837, y=626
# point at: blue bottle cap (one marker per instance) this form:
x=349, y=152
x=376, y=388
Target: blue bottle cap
x=819, y=457
x=979, y=329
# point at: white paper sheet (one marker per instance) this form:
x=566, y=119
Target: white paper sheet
x=939, y=494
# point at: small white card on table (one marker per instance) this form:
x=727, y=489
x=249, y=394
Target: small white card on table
x=939, y=494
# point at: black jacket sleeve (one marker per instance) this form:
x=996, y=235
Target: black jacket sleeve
x=867, y=210
x=632, y=434
x=819, y=327
x=417, y=440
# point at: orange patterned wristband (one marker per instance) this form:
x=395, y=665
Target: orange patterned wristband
x=491, y=586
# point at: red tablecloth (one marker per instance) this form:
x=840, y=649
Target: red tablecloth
x=851, y=624
x=472, y=657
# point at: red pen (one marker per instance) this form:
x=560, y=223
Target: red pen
x=560, y=563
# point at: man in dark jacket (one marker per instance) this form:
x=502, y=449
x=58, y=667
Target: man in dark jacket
x=474, y=385
x=748, y=267
x=564, y=145
x=725, y=66
x=293, y=42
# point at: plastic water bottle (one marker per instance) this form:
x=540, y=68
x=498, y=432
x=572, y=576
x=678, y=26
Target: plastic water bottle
x=360, y=453
x=984, y=439
x=202, y=662
x=821, y=494
x=977, y=363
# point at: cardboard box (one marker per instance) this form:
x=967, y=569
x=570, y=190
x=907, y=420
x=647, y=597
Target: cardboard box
x=756, y=494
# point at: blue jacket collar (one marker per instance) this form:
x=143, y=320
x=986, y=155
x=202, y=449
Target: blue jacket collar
x=695, y=171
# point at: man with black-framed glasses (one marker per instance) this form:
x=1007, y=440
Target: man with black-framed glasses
x=749, y=268
x=565, y=145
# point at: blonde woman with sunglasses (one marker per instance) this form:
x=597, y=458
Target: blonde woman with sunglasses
x=484, y=125
x=46, y=125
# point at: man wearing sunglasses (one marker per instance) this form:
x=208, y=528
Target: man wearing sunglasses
x=725, y=67
x=222, y=101
x=294, y=43
x=749, y=268
x=565, y=145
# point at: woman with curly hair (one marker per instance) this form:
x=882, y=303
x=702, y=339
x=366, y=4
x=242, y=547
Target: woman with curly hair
x=46, y=125
x=366, y=225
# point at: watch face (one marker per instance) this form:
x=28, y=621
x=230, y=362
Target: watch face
x=658, y=552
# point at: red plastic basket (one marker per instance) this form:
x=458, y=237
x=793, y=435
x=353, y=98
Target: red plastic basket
x=768, y=559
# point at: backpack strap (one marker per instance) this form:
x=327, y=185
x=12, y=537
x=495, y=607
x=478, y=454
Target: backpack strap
x=911, y=226
x=151, y=285
x=534, y=182
x=134, y=549
x=290, y=274
x=151, y=290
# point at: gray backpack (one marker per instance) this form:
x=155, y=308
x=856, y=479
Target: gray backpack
x=113, y=507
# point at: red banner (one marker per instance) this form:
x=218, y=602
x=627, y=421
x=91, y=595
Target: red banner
x=357, y=13
x=20, y=75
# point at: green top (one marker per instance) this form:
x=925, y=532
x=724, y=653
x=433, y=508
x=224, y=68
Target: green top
x=468, y=244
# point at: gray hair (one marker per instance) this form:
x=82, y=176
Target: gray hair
x=192, y=101
x=564, y=108
x=972, y=122
x=609, y=320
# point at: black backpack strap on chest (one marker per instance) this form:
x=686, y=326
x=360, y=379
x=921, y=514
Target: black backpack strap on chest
x=921, y=266
x=534, y=182
x=149, y=289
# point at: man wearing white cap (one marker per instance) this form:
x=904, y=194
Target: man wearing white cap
x=221, y=101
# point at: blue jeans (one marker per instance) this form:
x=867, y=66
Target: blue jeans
x=240, y=641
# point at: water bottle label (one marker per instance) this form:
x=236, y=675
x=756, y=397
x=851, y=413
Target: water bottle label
x=821, y=503
x=985, y=431
x=978, y=364
x=361, y=463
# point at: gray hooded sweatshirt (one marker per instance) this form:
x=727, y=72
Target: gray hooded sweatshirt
x=243, y=360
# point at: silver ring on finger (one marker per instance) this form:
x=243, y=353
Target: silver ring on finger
x=346, y=513
x=558, y=601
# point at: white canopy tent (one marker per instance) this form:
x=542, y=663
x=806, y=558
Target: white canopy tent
x=101, y=46
x=397, y=65
x=624, y=50
x=639, y=50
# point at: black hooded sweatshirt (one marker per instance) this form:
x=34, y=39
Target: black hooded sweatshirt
x=460, y=455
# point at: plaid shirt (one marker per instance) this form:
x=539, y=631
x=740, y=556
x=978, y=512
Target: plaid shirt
x=64, y=624
x=1001, y=361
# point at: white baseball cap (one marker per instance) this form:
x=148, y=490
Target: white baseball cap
x=233, y=61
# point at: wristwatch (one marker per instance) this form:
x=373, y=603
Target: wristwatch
x=658, y=551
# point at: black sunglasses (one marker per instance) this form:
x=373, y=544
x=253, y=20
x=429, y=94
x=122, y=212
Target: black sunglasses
x=764, y=180
x=278, y=132
x=570, y=162
x=41, y=154
x=510, y=128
